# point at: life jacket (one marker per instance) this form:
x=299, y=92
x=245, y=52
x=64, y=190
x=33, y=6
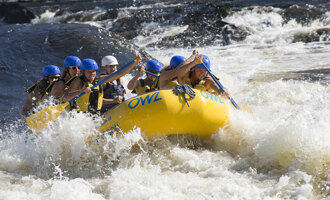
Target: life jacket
x=199, y=86
x=173, y=83
x=91, y=102
x=146, y=88
x=111, y=91
x=45, y=88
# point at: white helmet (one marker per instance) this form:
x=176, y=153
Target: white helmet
x=109, y=60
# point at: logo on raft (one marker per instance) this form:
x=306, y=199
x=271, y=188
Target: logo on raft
x=212, y=97
x=135, y=102
x=154, y=97
x=112, y=129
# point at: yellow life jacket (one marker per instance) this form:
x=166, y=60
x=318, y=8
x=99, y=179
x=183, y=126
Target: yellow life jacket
x=91, y=102
x=45, y=89
x=199, y=86
x=146, y=88
x=173, y=83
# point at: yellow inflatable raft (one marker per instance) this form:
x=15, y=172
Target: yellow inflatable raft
x=163, y=112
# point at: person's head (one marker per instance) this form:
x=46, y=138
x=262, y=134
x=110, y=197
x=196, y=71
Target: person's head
x=176, y=61
x=109, y=64
x=71, y=66
x=199, y=69
x=51, y=73
x=154, y=67
x=89, y=68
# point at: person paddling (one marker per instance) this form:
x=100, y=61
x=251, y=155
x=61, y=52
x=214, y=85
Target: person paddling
x=114, y=91
x=195, y=75
x=150, y=83
x=168, y=76
x=40, y=90
x=172, y=75
x=93, y=99
x=71, y=71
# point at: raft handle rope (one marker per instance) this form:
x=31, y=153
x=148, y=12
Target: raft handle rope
x=185, y=89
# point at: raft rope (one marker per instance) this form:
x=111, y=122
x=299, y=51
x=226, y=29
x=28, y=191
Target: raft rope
x=185, y=89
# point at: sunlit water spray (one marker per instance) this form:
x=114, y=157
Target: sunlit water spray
x=280, y=151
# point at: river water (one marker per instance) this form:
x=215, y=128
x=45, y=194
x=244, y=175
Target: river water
x=281, y=151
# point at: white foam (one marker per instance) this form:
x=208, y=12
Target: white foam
x=281, y=151
x=267, y=26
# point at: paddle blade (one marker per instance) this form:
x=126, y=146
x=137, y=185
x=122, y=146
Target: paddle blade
x=40, y=120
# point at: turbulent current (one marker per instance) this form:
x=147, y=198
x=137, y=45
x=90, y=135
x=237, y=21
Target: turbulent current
x=272, y=58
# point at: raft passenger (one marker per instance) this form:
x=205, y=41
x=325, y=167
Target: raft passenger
x=195, y=75
x=93, y=99
x=114, y=91
x=40, y=90
x=71, y=71
x=168, y=76
x=150, y=83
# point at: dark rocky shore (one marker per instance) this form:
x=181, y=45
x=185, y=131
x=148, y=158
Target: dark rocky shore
x=204, y=19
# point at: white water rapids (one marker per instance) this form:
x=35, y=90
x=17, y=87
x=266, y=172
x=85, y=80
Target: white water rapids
x=281, y=151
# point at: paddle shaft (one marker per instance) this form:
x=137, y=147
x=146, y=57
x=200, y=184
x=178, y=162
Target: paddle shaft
x=220, y=85
x=102, y=81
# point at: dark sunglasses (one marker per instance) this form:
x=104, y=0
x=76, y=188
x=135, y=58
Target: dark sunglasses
x=54, y=77
x=75, y=68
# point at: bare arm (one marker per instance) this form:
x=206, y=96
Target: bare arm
x=58, y=89
x=75, y=89
x=118, y=99
x=179, y=71
x=170, y=74
x=191, y=58
x=132, y=84
x=122, y=71
x=184, y=69
x=211, y=86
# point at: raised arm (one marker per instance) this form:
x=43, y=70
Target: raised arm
x=184, y=69
x=133, y=83
x=58, y=89
x=191, y=58
x=75, y=89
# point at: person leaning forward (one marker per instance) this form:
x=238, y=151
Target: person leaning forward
x=168, y=75
x=71, y=71
x=150, y=83
x=195, y=75
x=40, y=90
x=93, y=99
x=114, y=91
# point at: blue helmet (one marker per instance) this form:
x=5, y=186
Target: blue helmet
x=206, y=61
x=153, y=65
x=71, y=61
x=50, y=70
x=176, y=61
x=89, y=64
